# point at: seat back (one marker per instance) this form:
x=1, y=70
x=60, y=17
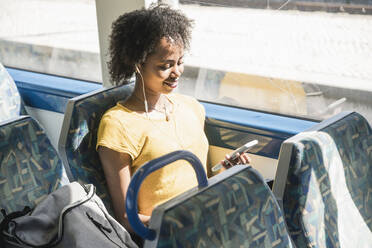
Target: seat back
x=11, y=104
x=324, y=182
x=77, y=142
x=29, y=165
x=236, y=209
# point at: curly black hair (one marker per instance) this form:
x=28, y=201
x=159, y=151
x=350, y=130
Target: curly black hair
x=136, y=34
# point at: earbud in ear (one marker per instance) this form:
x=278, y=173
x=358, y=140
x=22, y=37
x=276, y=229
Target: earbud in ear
x=137, y=69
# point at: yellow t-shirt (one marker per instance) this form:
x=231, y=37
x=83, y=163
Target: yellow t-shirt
x=145, y=139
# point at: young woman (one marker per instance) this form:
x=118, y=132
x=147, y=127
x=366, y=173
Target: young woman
x=154, y=121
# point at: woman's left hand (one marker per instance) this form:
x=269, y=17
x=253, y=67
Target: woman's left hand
x=240, y=159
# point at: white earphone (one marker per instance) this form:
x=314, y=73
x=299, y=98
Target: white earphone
x=143, y=90
x=137, y=69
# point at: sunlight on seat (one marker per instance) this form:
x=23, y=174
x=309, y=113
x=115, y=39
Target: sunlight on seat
x=352, y=229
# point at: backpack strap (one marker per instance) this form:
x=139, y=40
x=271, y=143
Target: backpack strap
x=7, y=219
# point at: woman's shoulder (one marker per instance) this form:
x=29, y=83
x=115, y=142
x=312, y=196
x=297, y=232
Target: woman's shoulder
x=118, y=109
x=118, y=113
x=181, y=98
x=192, y=104
x=123, y=120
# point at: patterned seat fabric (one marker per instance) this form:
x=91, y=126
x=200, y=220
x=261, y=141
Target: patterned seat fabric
x=77, y=144
x=327, y=200
x=10, y=101
x=237, y=211
x=353, y=138
x=29, y=165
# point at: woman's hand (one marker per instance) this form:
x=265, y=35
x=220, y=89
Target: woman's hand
x=240, y=159
x=145, y=219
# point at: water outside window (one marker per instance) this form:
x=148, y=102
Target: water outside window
x=51, y=36
x=309, y=59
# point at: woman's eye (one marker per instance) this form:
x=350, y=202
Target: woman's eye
x=180, y=62
x=165, y=66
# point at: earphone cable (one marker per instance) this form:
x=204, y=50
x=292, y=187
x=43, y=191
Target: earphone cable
x=144, y=94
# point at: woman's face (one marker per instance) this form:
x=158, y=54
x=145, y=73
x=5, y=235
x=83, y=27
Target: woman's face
x=162, y=69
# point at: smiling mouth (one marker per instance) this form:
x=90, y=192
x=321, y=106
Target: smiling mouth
x=172, y=84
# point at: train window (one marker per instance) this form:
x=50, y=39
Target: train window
x=51, y=36
x=302, y=58
x=308, y=58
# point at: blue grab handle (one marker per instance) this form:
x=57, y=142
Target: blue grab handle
x=143, y=172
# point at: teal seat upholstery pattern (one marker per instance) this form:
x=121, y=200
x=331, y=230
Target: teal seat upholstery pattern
x=30, y=167
x=236, y=209
x=77, y=142
x=324, y=181
x=11, y=104
x=353, y=138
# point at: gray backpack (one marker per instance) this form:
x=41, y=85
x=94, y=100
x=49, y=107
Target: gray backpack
x=72, y=216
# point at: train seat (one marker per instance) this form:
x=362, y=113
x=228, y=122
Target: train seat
x=235, y=208
x=11, y=104
x=30, y=167
x=77, y=141
x=324, y=186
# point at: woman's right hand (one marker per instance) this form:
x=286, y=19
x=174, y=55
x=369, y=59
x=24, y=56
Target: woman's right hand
x=241, y=159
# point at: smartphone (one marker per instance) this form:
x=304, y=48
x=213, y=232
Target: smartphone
x=233, y=155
